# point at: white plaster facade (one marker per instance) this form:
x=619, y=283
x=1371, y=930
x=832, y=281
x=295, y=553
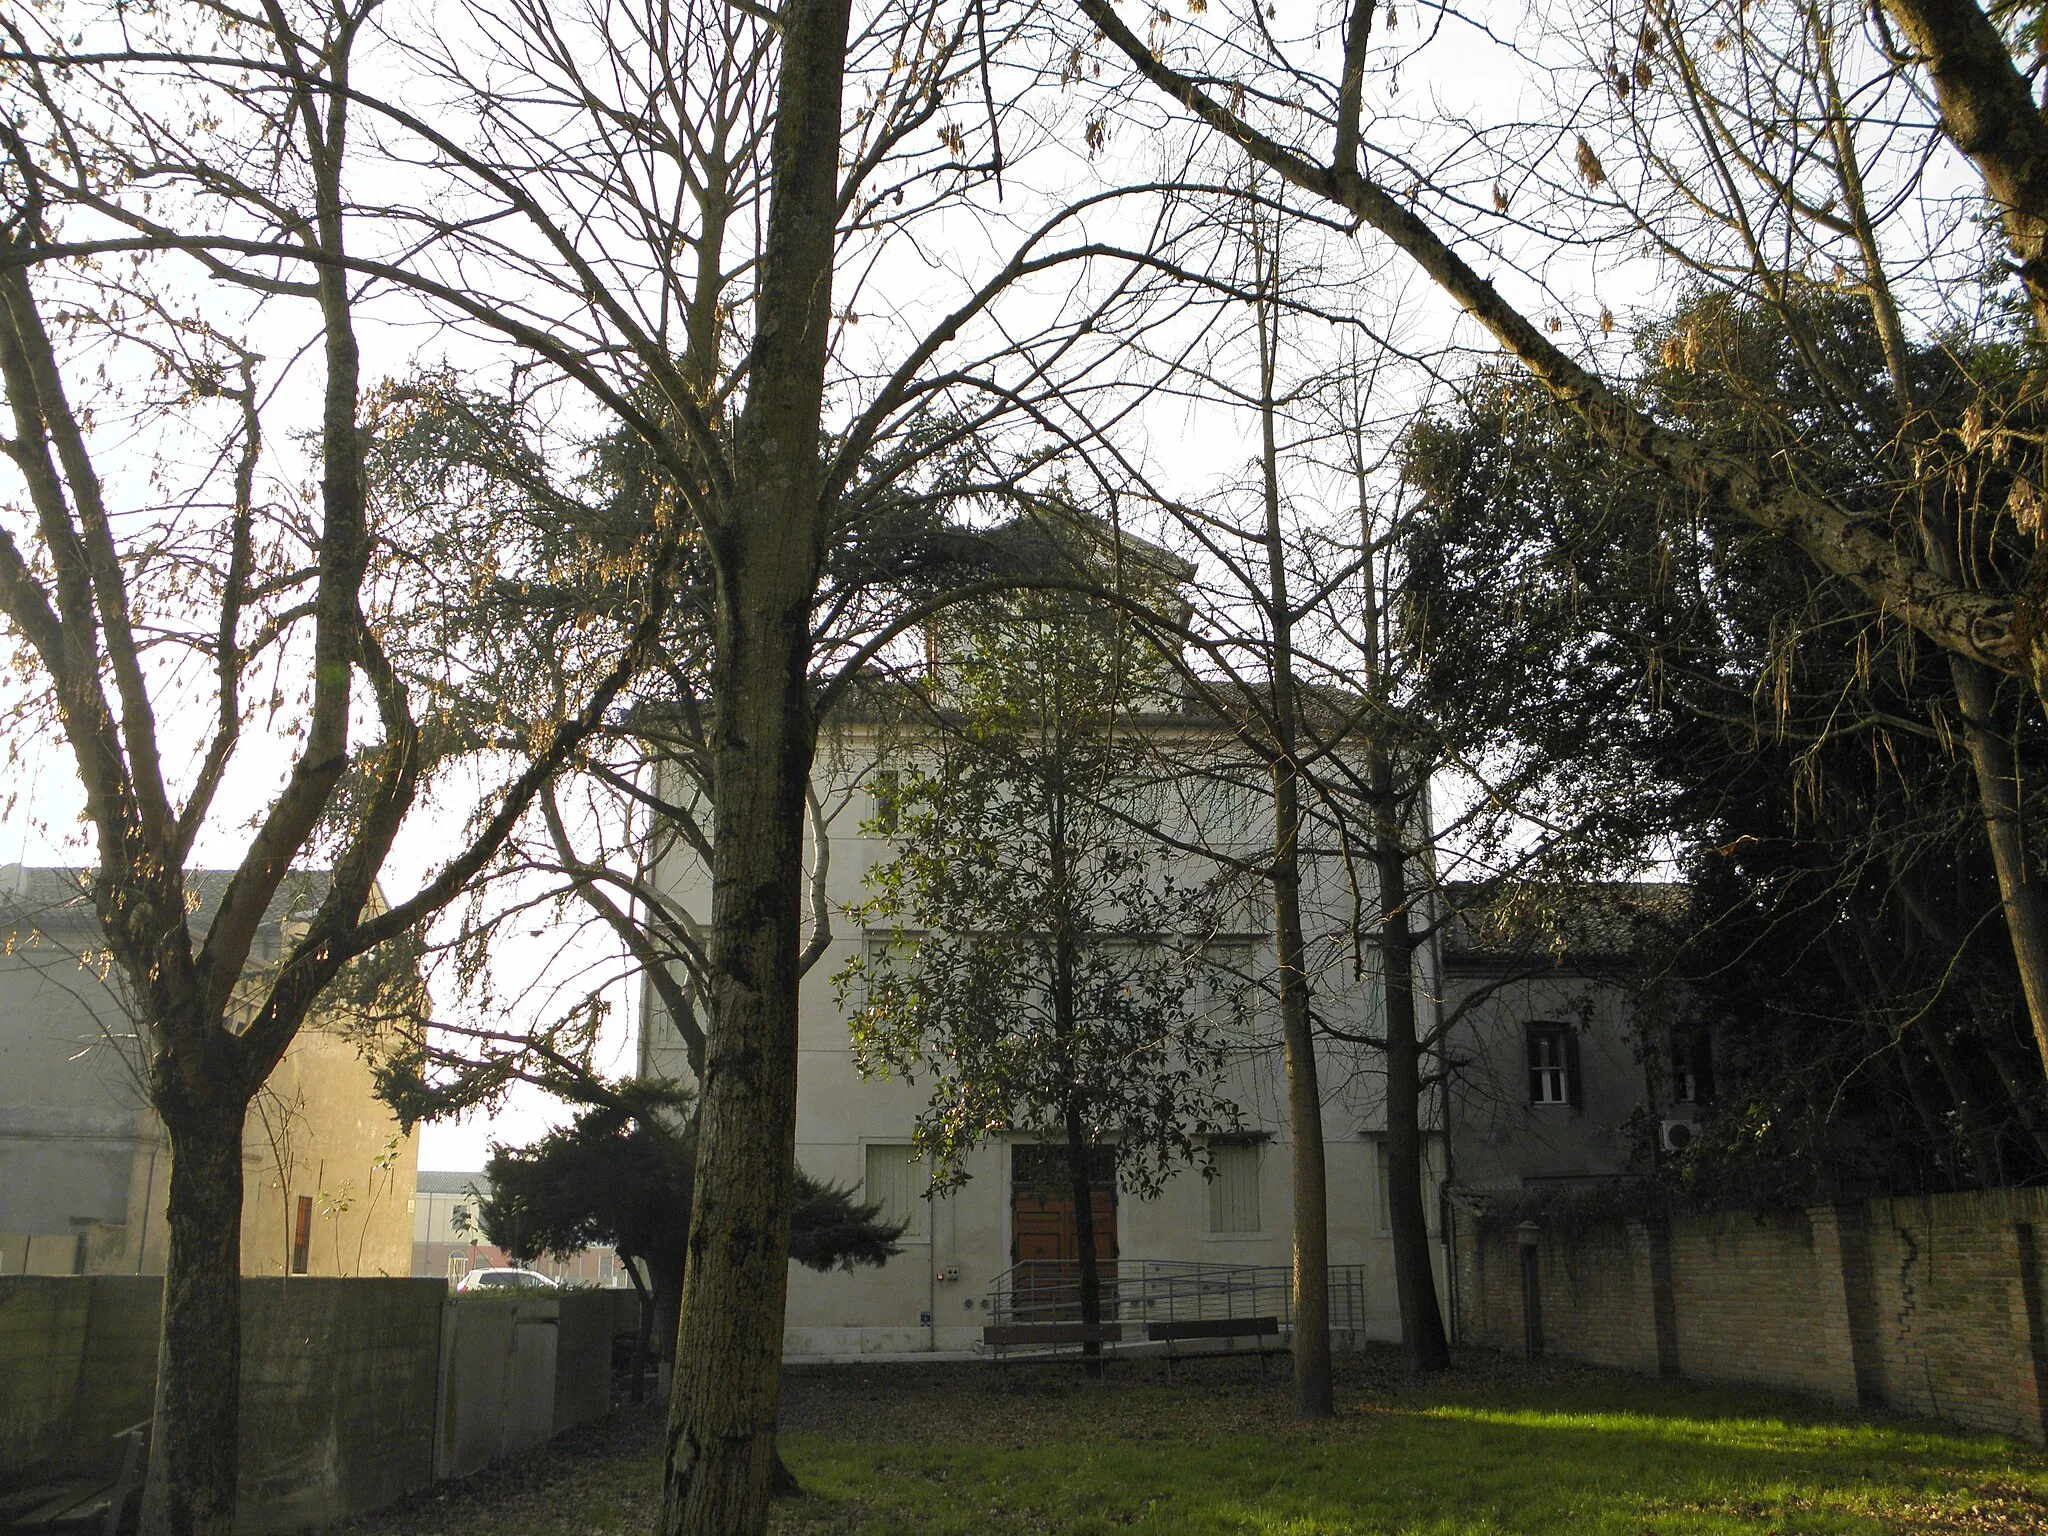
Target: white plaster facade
x=934, y=1295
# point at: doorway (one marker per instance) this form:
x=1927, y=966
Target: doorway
x=1045, y=1244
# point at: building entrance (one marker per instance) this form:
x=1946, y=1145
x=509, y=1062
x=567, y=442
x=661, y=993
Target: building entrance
x=1045, y=1244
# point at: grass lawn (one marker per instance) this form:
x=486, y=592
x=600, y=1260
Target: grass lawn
x=1496, y=1447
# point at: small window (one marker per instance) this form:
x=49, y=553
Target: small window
x=302, y=1235
x=1553, y=1065
x=885, y=798
x=1384, y=1188
x=1692, y=1071
x=1234, y=1187
x=897, y=1184
x=1223, y=812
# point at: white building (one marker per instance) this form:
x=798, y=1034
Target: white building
x=958, y=1248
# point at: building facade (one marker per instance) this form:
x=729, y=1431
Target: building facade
x=85, y=1164
x=1542, y=1077
x=959, y=1249
x=1559, y=1077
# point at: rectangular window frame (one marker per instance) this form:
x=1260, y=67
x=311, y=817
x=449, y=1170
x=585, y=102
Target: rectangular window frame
x=885, y=802
x=1551, y=1056
x=1248, y=1160
x=909, y=1202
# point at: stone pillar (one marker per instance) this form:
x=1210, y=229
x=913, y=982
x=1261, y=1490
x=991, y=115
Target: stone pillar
x=2029, y=1314
x=1840, y=1262
x=1656, y=1321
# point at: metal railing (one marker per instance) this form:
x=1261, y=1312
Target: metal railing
x=1169, y=1290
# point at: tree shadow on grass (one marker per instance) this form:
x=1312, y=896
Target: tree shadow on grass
x=1631, y=1458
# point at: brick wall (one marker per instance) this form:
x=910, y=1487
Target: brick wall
x=1930, y=1306
x=1957, y=1306
x=1752, y=1301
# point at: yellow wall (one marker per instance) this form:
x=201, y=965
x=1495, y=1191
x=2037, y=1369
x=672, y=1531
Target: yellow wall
x=317, y=1131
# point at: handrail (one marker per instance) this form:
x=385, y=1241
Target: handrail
x=1168, y=1290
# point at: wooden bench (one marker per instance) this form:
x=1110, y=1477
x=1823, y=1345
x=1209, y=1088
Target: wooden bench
x=78, y=1503
x=1230, y=1329
x=1055, y=1338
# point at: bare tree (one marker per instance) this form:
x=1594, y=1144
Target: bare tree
x=1272, y=103
x=1759, y=149
x=134, y=566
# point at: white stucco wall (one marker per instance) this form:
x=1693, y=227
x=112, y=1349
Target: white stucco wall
x=913, y=1304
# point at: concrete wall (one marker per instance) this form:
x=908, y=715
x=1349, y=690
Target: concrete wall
x=338, y=1384
x=353, y=1391
x=1930, y=1306
x=583, y=1352
x=497, y=1380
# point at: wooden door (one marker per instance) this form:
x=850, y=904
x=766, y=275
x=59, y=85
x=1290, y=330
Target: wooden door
x=1045, y=1240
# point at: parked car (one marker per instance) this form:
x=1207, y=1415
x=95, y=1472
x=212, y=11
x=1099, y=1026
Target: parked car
x=504, y=1280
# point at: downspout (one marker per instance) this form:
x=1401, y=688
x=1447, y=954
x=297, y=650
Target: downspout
x=1447, y=1215
x=148, y=1200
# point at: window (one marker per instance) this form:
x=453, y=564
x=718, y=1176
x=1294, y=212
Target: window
x=1553, y=1065
x=302, y=1235
x=1692, y=1071
x=1384, y=1187
x=1234, y=1187
x=897, y=1184
x=885, y=795
x=887, y=959
x=1222, y=812
x=1230, y=993
x=458, y=1266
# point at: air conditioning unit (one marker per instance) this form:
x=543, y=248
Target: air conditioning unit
x=1677, y=1135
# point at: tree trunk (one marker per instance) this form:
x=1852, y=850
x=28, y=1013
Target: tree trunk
x=1998, y=793
x=1988, y=112
x=1314, y=1394
x=765, y=539
x=665, y=1309
x=721, y=1437
x=1080, y=1179
x=636, y=1366
x=1422, y=1324
x=195, y=1459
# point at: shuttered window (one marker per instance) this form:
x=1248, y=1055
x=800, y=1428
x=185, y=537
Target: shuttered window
x=1234, y=1188
x=302, y=1234
x=1554, y=1065
x=897, y=1185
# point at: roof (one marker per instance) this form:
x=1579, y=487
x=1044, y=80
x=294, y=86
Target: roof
x=50, y=896
x=426, y=1183
x=1598, y=920
x=1061, y=540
